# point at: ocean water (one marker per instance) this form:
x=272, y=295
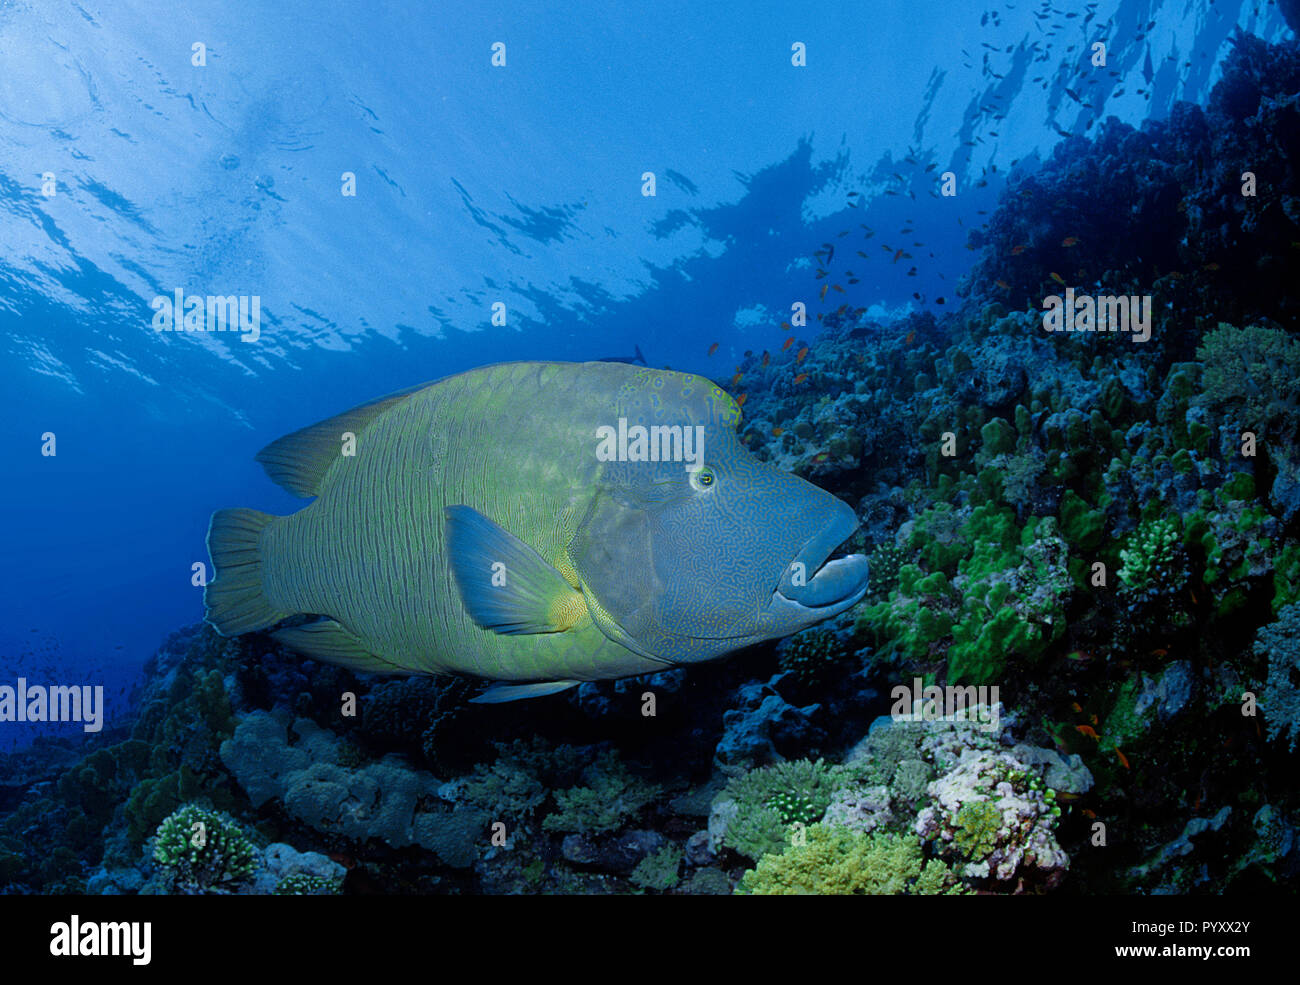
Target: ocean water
x=405, y=209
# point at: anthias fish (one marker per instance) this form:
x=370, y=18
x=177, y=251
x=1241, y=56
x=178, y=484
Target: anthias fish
x=481, y=526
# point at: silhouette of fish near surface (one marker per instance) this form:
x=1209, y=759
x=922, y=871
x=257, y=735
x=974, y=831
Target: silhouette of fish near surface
x=537, y=525
x=636, y=357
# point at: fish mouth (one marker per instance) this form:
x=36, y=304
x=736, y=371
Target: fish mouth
x=818, y=581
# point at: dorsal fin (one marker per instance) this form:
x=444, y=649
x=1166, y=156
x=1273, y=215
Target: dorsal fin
x=298, y=462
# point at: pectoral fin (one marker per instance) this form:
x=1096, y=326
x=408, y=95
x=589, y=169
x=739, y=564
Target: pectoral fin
x=505, y=585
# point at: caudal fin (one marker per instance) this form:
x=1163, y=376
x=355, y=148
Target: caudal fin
x=235, y=600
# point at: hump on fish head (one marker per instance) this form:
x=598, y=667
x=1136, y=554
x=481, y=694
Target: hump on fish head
x=613, y=546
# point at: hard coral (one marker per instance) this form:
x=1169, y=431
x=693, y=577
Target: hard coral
x=203, y=851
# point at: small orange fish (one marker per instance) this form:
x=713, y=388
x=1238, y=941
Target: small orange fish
x=1087, y=730
x=1003, y=284
x=777, y=432
x=838, y=288
x=767, y=357
x=1018, y=249
x=1211, y=267
x=823, y=294
x=911, y=337
x=737, y=378
x=822, y=456
x=1090, y=814
x=1160, y=652
x=1075, y=706
x=801, y=378
x=898, y=255
x=1123, y=760
x=1093, y=719
x=713, y=348
x=740, y=401
x=798, y=356
x=787, y=343
x=1058, y=278
x=785, y=325
x=1070, y=241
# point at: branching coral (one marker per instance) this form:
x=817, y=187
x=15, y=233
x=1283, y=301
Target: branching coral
x=812, y=655
x=1154, y=563
x=836, y=861
x=754, y=813
x=204, y=851
x=611, y=796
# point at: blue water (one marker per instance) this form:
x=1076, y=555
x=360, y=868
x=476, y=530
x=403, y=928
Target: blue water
x=475, y=184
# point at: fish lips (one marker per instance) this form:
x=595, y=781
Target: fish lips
x=826, y=584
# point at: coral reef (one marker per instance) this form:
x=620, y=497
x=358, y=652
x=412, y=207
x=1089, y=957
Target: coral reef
x=1083, y=524
x=837, y=861
x=997, y=817
x=203, y=851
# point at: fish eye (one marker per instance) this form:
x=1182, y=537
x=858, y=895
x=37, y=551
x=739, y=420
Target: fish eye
x=703, y=478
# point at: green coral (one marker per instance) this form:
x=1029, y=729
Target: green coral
x=916, y=620
x=301, y=884
x=1005, y=599
x=505, y=788
x=1154, y=561
x=515, y=784
x=812, y=655
x=659, y=870
x=998, y=436
x=884, y=563
x=977, y=823
x=203, y=850
x=1013, y=603
x=836, y=861
x=769, y=800
x=1081, y=525
x=1286, y=577
x=1235, y=540
x=1254, y=373
x=611, y=796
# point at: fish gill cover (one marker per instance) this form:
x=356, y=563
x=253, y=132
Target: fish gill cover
x=809, y=464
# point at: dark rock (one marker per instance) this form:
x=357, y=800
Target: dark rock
x=698, y=850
